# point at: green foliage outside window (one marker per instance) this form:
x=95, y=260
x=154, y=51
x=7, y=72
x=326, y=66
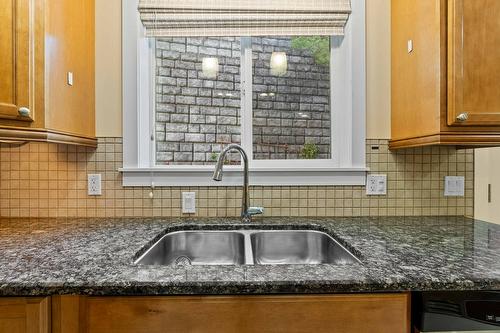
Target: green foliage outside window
x=318, y=45
x=310, y=151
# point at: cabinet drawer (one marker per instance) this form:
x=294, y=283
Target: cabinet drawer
x=316, y=313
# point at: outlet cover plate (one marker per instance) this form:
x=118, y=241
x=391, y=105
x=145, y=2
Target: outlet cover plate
x=94, y=184
x=376, y=185
x=454, y=186
x=188, y=202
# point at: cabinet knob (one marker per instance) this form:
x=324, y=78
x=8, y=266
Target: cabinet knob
x=463, y=117
x=24, y=112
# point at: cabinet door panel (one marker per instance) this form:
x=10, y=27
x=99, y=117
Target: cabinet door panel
x=16, y=59
x=71, y=107
x=474, y=62
x=247, y=314
x=12, y=316
x=24, y=315
x=416, y=92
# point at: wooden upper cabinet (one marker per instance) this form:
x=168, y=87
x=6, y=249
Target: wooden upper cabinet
x=42, y=45
x=445, y=73
x=16, y=63
x=416, y=76
x=474, y=62
x=72, y=24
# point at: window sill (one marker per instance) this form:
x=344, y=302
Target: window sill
x=202, y=176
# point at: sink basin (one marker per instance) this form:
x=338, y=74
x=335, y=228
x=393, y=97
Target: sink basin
x=298, y=247
x=197, y=248
x=246, y=247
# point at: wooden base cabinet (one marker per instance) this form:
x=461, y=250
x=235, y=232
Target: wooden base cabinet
x=445, y=73
x=24, y=315
x=370, y=313
x=47, y=71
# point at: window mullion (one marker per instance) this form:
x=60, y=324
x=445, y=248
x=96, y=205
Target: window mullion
x=246, y=96
x=145, y=101
x=152, y=105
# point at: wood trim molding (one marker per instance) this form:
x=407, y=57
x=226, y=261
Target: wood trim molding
x=455, y=60
x=471, y=140
x=17, y=118
x=20, y=134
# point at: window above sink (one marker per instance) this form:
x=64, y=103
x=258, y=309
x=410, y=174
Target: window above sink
x=295, y=103
x=210, y=90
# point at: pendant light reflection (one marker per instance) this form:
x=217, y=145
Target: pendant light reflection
x=210, y=67
x=279, y=63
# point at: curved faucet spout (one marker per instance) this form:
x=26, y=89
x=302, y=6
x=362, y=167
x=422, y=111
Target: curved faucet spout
x=246, y=214
x=219, y=167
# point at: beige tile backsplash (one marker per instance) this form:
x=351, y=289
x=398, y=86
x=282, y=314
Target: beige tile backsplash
x=50, y=180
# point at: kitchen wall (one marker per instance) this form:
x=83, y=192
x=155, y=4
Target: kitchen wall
x=50, y=180
x=378, y=69
x=487, y=205
x=40, y=180
x=108, y=68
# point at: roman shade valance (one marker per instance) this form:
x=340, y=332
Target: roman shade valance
x=184, y=18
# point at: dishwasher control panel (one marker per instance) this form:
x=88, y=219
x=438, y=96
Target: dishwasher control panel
x=483, y=310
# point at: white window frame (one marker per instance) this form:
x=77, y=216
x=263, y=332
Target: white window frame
x=348, y=93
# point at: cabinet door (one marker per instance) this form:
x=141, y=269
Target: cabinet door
x=24, y=315
x=16, y=59
x=417, y=73
x=70, y=108
x=473, y=62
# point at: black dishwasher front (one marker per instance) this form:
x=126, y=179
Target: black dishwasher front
x=457, y=311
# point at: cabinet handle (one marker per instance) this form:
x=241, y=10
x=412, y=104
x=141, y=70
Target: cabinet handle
x=24, y=112
x=463, y=117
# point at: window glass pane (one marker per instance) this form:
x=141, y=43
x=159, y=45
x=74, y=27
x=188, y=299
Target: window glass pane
x=291, y=97
x=197, y=99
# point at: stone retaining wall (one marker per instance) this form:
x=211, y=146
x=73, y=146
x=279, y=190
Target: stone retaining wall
x=196, y=116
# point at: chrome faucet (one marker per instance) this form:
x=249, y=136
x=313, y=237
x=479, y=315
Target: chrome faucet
x=246, y=211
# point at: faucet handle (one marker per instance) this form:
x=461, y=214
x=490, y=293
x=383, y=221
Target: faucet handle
x=255, y=210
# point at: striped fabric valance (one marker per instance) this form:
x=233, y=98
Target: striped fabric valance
x=184, y=18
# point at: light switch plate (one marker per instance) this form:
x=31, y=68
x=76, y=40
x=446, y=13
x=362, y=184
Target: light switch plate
x=376, y=185
x=94, y=184
x=454, y=186
x=188, y=202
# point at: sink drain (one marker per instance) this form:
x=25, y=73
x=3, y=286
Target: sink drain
x=183, y=261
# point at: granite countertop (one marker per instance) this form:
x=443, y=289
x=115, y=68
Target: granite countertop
x=95, y=257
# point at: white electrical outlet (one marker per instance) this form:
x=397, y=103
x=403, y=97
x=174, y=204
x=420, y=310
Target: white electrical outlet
x=454, y=186
x=188, y=202
x=94, y=184
x=376, y=184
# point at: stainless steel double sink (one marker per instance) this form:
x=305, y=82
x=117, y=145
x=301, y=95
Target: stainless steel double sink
x=246, y=247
